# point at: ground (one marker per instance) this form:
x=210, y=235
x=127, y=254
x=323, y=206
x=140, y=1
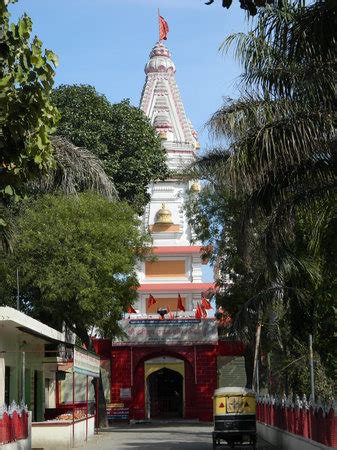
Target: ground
x=159, y=437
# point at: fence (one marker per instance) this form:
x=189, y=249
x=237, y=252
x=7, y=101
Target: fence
x=314, y=421
x=13, y=423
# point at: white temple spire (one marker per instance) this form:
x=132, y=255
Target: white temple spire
x=162, y=103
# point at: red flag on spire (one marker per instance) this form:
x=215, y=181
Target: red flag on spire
x=151, y=301
x=198, y=312
x=205, y=303
x=163, y=28
x=204, y=312
x=131, y=310
x=180, y=305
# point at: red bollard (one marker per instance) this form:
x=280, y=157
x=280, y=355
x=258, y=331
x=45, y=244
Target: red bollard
x=290, y=421
x=321, y=422
x=331, y=420
x=285, y=418
x=2, y=431
x=304, y=422
x=272, y=414
x=314, y=424
x=25, y=424
x=297, y=421
x=15, y=425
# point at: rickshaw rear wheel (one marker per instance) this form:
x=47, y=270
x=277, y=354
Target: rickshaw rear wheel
x=214, y=443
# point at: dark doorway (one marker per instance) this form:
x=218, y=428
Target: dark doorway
x=165, y=389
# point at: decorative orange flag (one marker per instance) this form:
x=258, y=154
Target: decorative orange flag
x=180, y=306
x=151, y=301
x=204, y=312
x=205, y=303
x=163, y=28
x=131, y=310
x=198, y=312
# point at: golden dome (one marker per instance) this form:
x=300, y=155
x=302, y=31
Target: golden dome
x=195, y=186
x=164, y=215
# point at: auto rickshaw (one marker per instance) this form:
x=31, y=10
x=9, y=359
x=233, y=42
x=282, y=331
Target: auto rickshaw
x=234, y=410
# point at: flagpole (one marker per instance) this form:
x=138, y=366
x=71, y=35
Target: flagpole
x=159, y=24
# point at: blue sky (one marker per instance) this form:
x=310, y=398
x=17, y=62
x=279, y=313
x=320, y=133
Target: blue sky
x=106, y=43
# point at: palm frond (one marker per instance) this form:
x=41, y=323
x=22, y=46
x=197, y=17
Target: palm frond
x=76, y=169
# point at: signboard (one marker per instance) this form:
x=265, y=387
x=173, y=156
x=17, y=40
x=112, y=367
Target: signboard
x=125, y=393
x=86, y=363
x=169, y=332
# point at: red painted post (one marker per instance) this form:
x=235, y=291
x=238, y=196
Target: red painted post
x=272, y=413
x=7, y=427
x=313, y=421
x=15, y=425
x=26, y=415
x=284, y=418
x=297, y=421
x=269, y=409
x=306, y=423
x=291, y=420
x=4, y=429
x=331, y=428
x=320, y=430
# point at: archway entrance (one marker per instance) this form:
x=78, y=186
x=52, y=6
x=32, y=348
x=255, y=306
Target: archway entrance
x=165, y=394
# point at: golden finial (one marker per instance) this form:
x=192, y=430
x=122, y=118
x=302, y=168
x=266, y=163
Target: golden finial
x=164, y=215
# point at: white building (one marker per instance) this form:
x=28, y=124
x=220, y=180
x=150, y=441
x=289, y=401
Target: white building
x=177, y=269
x=24, y=374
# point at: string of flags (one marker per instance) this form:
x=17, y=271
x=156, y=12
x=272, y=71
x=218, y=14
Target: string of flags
x=200, y=312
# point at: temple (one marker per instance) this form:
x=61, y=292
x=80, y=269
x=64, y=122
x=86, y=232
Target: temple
x=169, y=362
x=177, y=267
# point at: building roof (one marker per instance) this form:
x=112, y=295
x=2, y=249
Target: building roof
x=161, y=102
x=12, y=318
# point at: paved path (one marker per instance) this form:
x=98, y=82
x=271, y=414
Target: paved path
x=159, y=437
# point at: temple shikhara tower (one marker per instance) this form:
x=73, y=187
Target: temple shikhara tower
x=170, y=359
x=177, y=268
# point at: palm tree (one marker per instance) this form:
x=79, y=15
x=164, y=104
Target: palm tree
x=281, y=131
x=279, y=148
x=75, y=169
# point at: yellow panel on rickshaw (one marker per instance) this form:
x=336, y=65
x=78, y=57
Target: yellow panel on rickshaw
x=241, y=405
x=219, y=406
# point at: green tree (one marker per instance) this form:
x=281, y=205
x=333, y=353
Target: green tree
x=76, y=258
x=280, y=164
x=119, y=134
x=27, y=116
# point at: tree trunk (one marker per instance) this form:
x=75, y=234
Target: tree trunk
x=256, y=353
x=102, y=421
x=249, y=365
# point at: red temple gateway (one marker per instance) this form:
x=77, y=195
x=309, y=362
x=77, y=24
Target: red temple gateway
x=171, y=380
